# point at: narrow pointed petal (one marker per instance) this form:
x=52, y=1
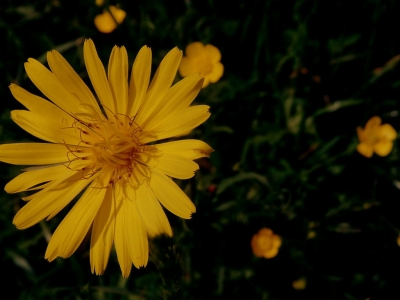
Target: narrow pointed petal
x=135, y=234
x=131, y=242
x=191, y=149
x=50, y=203
x=37, y=104
x=74, y=227
x=178, y=97
x=98, y=78
x=102, y=234
x=46, y=129
x=171, y=196
x=33, y=153
x=160, y=84
x=181, y=122
x=151, y=212
x=50, y=86
x=70, y=79
x=121, y=239
x=28, y=179
x=176, y=166
x=118, y=77
x=139, y=82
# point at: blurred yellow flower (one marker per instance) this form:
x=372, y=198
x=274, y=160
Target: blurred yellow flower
x=105, y=152
x=375, y=137
x=299, y=284
x=203, y=59
x=265, y=243
x=106, y=22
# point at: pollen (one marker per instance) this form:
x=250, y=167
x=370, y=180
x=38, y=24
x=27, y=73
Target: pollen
x=114, y=147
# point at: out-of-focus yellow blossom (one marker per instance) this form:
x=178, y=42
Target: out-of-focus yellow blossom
x=375, y=137
x=203, y=59
x=265, y=243
x=99, y=2
x=106, y=22
x=299, y=284
x=398, y=240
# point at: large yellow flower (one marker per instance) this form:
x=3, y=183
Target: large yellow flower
x=203, y=59
x=375, y=137
x=110, y=149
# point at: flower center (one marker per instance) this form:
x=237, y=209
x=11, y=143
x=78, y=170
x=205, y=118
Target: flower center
x=114, y=147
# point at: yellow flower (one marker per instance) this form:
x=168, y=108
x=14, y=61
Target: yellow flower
x=375, y=137
x=109, y=149
x=265, y=243
x=106, y=22
x=299, y=284
x=204, y=60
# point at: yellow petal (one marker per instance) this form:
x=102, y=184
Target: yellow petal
x=139, y=247
x=102, y=234
x=46, y=129
x=50, y=86
x=213, y=53
x=159, y=85
x=216, y=73
x=191, y=149
x=176, y=166
x=118, y=77
x=140, y=78
x=98, y=78
x=130, y=236
x=365, y=150
x=386, y=132
x=118, y=13
x=37, y=104
x=276, y=241
x=360, y=134
x=194, y=49
x=372, y=125
x=187, y=67
x=151, y=212
x=270, y=253
x=51, y=202
x=383, y=148
x=33, y=153
x=104, y=22
x=171, y=196
x=182, y=122
x=206, y=82
x=178, y=97
x=28, y=179
x=123, y=224
x=70, y=79
x=74, y=227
